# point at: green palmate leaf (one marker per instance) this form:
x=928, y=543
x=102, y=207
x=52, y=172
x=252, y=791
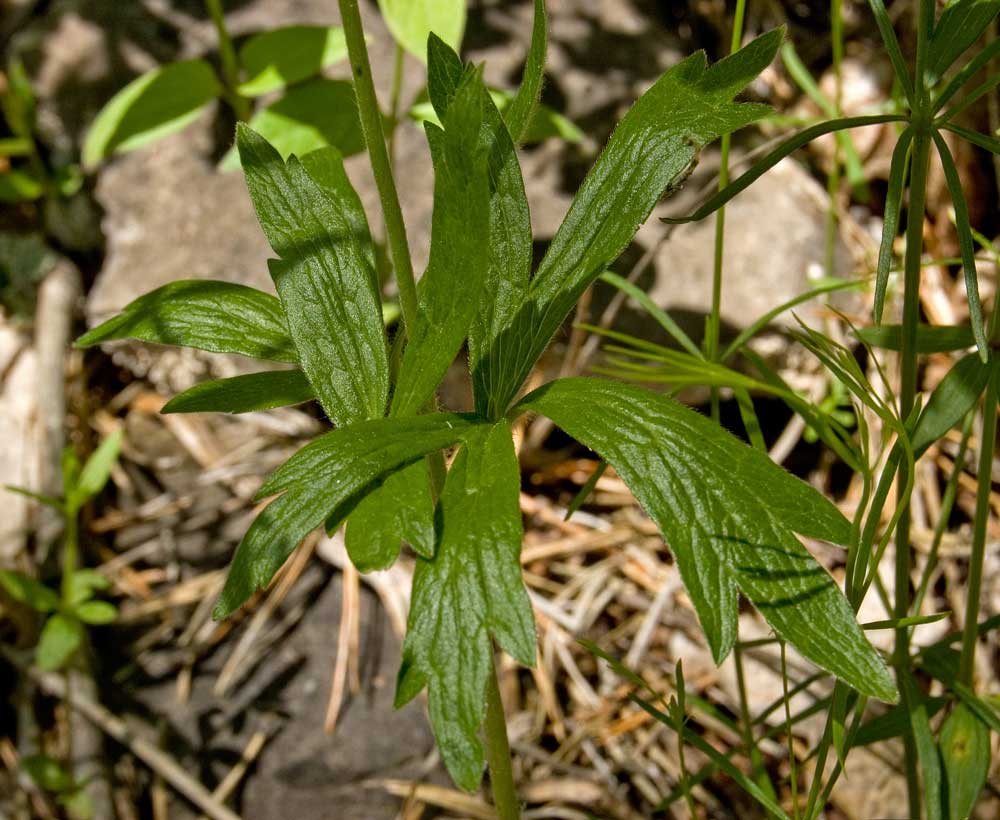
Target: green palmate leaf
x=244, y=394
x=965, y=243
x=411, y=22
x=470, y=593
x=28, y=591
x=510, y=242
x=158, y=103
x=61, y=636
x=217, y=316
x=83, y=584
x=314, y=115
x=654, y=147
x=274, y=59
x=96, y=612
x=325, y=480
x=326, y=274
x=930, y=338
x=452, y=287
x=965, y=752
x=890, y=225
x=961, y=24
x=728, y=514
x=957, y=393
x=96, y=470
x=522, y=109
x=401, y=508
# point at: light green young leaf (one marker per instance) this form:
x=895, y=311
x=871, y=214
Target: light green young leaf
x=96, y=470
x=83, y=584
x=510, y=241
x=310, y=116
x=930, y=338
x=48, y=773
x=19, y=186
x=522, y=110
x=326, y=274
x=96, y=613
x=326, y=479
x=284, y=56
x=956, y=394
x=28, y=591
x=244, y=394
x=469, y=594
x=411, y=22
x=728, y=514
x=965, y=751
x=401, y=508
x=653, y=148
x=61, y=636
x=961, y=24
x=216, y=316
x=158, y=103
x=452, y=288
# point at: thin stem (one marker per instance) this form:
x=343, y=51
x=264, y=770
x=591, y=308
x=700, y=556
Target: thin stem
x=833, y=179
x=793, y=775
x=498, y=753
x=907, y=397
x=71, y=549
x=974, y=583
x=712, y=327
x=371, y=126
x=230, y=65
x=757, y=771
x=394, y=99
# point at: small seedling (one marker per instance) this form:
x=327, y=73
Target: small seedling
x=69, y=609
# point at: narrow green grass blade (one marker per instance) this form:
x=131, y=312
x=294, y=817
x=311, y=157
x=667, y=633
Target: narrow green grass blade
x=890, y=226
x=586, y=489
x=765, y=164
x=930, y=338
x=661, y=316
x=965, y=243
x=968, y=71
x=986, y=143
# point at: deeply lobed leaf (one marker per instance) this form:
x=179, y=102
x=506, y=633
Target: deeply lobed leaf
x=729, y=514
x=326, y=274
x=510, y=242
x=470, y=593
x=452, y=287
x=652, y=149
x=325, y=480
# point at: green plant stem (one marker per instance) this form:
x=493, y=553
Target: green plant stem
x=371, y=126
x=71, y=548
x=230, y=65
x=712, y=327
x=974, y=583
x=394, y=99
x=907, y=397
x=498, y=753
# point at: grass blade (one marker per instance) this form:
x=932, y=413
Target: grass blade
x=890, y=227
